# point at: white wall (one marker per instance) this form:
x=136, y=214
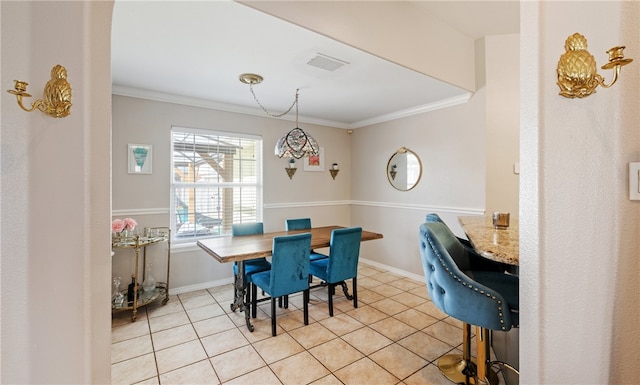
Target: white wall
x=579, y=242
x=55, y=197
x=146, y=197
x=503, y=122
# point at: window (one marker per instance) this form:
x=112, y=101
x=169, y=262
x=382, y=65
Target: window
x=216, y=182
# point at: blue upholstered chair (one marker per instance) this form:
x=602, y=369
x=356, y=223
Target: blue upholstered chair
x=251, y=266
x=433, y=217
x=460, y=288
x=289, y=273
x=302, y=224
x=342, y=264
x=297, y=224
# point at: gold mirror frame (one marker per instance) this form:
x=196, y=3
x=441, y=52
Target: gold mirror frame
x=398, y=171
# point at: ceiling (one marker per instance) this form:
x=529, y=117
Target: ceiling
x=192, y=52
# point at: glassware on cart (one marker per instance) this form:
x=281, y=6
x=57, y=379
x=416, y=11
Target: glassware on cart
x=149, y=283
x=118, y=297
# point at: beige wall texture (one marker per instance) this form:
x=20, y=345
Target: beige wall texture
x=579, y=231
x=145, y=197
x=579, y=242
x=55, y=197
x=503, y=120
x=449, y=143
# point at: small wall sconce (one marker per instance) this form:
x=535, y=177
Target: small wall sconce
x=577, y=77
x=393, y=172
x=291, y=169
x=56, y=101
x=334, y=170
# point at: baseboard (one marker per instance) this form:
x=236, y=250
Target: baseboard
x=225, y=281
x=406, y=274
x=200, y=286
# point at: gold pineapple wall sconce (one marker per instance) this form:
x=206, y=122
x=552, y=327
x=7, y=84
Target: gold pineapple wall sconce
x=577, y=75
x=56, y=101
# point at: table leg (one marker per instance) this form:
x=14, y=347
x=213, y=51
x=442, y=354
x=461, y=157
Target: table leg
x=345, y=290
x=240, y=290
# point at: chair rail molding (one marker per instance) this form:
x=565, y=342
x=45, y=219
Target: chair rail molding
x=130, y=212
x=395, y=205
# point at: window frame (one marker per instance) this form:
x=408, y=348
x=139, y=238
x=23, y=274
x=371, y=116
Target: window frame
x=258, y=184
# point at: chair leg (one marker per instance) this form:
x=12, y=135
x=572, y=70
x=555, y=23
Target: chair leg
x=254, y=303
x=305, y=306
x=283, y=301
x=483, y=354
x=460, y=369
x=273, y=316
x=354, y=280
x=332, y=289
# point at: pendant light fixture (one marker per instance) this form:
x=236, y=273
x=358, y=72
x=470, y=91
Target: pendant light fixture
x=294, y=144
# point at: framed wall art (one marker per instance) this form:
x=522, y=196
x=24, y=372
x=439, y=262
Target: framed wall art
x=315, y=162
x=140, y=158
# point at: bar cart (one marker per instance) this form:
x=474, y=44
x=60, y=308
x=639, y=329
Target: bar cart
x=142, y=296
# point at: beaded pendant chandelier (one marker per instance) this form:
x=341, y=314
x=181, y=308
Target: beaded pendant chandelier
x=295, y=143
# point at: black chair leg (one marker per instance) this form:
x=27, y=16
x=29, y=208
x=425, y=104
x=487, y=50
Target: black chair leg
x=273, y=316
x=254, y=303
x=332, y=289
x=305, y=306
x=355, y=292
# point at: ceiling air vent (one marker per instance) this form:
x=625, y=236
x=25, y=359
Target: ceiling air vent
x=326, y=62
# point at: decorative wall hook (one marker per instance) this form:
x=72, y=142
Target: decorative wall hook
x=56, y=100
x=577, y=76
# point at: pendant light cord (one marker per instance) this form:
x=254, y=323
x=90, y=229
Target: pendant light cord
x=295, y=103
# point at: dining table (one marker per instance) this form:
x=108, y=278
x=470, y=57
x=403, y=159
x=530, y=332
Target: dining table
x=241, y=248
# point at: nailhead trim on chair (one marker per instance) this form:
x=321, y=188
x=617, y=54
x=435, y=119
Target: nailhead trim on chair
x=466, y=284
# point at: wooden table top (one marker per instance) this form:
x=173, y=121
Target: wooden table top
x=501, y=245
x=230, y=249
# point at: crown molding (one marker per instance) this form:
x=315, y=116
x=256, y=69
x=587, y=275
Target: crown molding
x=210, y=104
x=461, y=99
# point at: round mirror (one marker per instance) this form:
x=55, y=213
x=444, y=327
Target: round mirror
x=404, y=169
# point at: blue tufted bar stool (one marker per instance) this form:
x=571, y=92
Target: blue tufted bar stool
x=460, y=287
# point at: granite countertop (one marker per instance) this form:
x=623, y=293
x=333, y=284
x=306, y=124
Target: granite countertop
x=501, y=245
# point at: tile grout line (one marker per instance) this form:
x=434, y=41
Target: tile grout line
x=402, y=289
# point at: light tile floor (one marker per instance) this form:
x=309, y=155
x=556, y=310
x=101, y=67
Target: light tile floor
x=395, y=336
